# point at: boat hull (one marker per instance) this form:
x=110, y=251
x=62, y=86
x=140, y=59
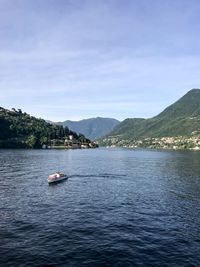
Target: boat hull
x=57, y=179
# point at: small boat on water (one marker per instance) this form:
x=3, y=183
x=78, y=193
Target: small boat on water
x=56, y=177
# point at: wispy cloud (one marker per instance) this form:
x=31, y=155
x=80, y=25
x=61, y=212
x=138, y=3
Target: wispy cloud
x=85, y=58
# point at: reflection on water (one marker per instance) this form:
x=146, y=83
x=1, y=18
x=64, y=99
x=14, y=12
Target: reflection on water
x=119, y=207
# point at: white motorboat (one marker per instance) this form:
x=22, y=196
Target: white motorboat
x=56, y=177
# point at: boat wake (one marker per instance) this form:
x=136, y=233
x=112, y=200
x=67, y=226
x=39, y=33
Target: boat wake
x=100, y=175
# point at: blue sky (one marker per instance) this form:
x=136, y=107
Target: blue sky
x=76, y=59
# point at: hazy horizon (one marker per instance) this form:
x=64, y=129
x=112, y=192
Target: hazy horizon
x=73, y=60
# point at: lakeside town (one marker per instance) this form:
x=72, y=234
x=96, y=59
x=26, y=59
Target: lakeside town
x=175, y=143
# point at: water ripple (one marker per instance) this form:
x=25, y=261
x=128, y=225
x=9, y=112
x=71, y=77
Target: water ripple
x=118, y=208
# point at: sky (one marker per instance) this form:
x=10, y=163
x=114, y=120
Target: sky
x=78, y=59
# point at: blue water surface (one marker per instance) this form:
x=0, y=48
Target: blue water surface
x=119, y=207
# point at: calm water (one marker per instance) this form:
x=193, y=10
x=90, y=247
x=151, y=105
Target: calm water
x=119, y=207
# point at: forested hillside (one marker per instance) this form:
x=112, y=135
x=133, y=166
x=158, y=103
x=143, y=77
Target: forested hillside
x=20, y=130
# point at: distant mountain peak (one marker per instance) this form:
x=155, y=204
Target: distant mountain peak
x=92, y=128
x=193, y=90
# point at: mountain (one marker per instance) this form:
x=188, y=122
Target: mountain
x=20, y=130
x=93, y=128
x=179, y=119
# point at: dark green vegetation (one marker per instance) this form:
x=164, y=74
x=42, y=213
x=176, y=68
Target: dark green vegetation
x=180, y=119
x=20, y=130
x=92, y=128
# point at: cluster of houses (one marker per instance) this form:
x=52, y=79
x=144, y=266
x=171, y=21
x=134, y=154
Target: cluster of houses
x=179, y=142
x=70, y=143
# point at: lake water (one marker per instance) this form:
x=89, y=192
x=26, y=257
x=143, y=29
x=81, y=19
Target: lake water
x=119, y=207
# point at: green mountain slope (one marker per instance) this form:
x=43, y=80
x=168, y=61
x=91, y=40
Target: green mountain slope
x=179, y=119
x=186, y=106
x=92, y=128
